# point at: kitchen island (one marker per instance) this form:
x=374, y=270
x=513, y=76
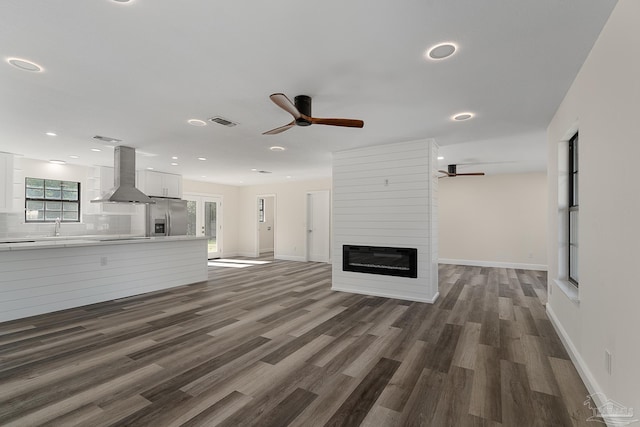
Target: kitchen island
x=43, y=275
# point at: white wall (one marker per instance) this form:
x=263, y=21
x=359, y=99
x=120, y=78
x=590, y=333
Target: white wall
x=494, y=220
x=385, y=196
x=230, y=207
x=604, y=102
x=290, y=217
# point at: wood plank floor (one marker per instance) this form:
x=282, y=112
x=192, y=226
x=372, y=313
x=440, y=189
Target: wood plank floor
x=272, y=345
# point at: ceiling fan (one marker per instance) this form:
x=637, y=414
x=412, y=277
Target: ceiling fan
x=452, y=171
x=301, y=112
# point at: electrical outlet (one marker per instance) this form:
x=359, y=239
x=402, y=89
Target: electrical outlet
x=608, y=361
x=103, y=261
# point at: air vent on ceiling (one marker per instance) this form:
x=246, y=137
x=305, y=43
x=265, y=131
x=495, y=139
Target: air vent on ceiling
x=107, y=139
x=221, y=121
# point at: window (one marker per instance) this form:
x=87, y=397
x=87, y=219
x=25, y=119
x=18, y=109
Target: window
x=261, y=217
x=46, y=200
x=573, y=211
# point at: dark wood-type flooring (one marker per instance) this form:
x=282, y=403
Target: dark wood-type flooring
x=272, y=345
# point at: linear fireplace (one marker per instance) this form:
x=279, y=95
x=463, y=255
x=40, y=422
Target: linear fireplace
x=401, y=262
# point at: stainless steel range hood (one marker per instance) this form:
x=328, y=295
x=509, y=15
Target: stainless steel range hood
x=124, y=190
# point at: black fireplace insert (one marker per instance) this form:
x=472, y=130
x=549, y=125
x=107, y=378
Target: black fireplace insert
x=388, y=261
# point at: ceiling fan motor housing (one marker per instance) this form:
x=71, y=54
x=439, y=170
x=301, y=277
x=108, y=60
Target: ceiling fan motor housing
x=303, y=104
x=451, y=169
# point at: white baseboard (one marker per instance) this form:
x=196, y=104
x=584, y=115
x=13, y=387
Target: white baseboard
x=385, y=294
x=289, y=257
x=583, y=370
x=247, y=254
x=229, y=254
x=473, y=263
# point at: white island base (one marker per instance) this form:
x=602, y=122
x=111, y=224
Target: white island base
x=45, y=276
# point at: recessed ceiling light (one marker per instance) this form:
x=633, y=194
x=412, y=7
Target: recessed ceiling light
x=202, y=158
x=254, y=169
x=196, y=122
x=276, y=148
x=174, y=164
x=174, y=158
x=51, y=134
x=288, y=176
x=121, y=1
x=74, y=157
x=462, y=116
x=440, y=158
x=58, y=162
x=96, y=149
x=441, y=51
x=203, y=176
x=25, y=65
x=150, y=168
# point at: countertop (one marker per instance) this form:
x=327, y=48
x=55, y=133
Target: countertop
x=40, y=242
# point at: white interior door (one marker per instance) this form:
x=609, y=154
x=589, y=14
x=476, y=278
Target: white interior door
x=318, y=226
x=204, y=218
x=266, y=224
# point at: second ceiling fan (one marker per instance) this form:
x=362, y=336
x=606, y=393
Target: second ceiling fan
x=452, y=171
x=301, y=112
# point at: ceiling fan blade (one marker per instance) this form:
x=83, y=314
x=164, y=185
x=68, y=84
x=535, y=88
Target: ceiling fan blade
x=472, y=173
x=350, y=123
x=281, y=100
x=446, y=173
x=280, y=129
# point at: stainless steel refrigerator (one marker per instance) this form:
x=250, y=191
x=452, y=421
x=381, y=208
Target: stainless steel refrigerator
x=167, y=217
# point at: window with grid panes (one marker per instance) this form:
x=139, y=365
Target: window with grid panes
x=46, y=200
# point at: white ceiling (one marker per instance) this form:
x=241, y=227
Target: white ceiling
x=138, y=71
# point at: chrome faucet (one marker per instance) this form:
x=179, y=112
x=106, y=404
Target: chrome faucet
x=56, y=228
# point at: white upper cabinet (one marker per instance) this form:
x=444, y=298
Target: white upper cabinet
x=160, y=184
x=6, y=182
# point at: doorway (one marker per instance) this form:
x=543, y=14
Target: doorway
x=266, y=224
x=204, y=218
x=318, y=226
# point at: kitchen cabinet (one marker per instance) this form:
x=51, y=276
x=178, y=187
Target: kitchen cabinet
x=160, y=184
x=6, y=182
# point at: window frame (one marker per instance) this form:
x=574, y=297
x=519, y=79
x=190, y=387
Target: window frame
x=572, y=206
x=46, y=200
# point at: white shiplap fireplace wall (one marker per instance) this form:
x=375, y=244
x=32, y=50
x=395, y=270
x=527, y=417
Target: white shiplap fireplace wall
x=386, y=196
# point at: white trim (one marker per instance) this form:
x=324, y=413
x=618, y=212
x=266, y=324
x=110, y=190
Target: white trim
x=290, y=257
x=498, y=264
x=569, y=289
x=594, y=389
x=384, y=294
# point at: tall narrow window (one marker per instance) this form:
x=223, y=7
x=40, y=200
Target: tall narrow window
x=573, y=210
x=49, y=200
x=261, y=217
